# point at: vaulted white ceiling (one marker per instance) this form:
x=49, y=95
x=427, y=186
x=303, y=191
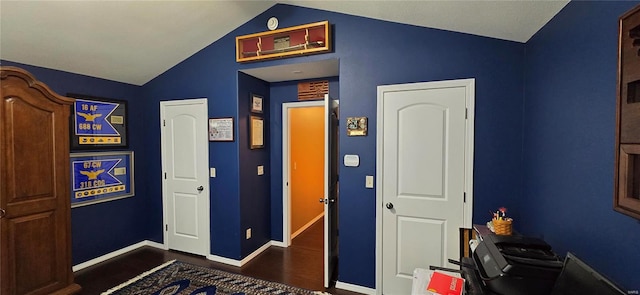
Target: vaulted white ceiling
x=134, y=41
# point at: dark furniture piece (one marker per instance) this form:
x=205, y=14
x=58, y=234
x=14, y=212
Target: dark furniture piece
x=511, y=265
x=578, y=278
x=626, y=195
x=35, y=217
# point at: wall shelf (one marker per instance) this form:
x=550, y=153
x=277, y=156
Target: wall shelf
x=294, y=41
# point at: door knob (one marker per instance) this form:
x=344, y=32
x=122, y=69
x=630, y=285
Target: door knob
x=200, y=188
x=2, y=213
x=389, y=205
x=321, y=200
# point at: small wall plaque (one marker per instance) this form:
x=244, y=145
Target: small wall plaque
x=357, y=126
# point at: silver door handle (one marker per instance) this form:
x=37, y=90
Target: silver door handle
x=200, y=188
x=326, y=201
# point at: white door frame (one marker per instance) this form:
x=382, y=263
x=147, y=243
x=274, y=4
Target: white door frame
x=469, y=85
x=165, y=219
x=286, y=201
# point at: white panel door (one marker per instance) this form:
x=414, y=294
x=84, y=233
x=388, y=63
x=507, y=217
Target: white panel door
x=185, y=159
x=330, y=189
x=421, y=178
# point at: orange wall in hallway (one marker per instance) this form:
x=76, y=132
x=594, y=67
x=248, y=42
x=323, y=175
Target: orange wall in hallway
x=306, y=140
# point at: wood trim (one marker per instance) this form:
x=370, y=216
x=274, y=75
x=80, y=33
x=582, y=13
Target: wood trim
x=624, y=202
x=32, y=82
x=324, y=47
x=466, y=235
x=626, y=140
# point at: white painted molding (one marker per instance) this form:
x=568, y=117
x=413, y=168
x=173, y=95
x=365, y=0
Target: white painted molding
x=278, y=244
x=240, y=263
x=309, y=224
x=113, y=254
x=255, y=253
x=355, y=288
x=157, y=245
x=215, y=258
x=224, y=260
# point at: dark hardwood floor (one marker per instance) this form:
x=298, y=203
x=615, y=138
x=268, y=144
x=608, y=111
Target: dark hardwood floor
x=300, y=265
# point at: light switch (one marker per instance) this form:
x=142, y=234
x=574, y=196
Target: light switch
x=260, y=170
x=212, y=172
x=368, y=181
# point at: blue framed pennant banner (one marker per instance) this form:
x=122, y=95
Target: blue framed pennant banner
x=100, y=177
x=98, y=123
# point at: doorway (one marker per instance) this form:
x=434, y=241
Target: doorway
x=314, y=210
x=308, y=132
x=306, y=167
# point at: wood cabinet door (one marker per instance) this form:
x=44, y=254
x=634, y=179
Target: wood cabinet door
x=35, y=250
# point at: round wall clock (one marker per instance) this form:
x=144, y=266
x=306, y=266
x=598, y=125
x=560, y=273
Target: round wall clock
x=272, y=23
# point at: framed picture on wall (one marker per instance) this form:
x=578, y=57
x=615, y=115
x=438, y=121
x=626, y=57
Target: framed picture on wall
x=101, y=176
x=98, y=123
x=221, y=129
x=256, y=132
x=256, y=103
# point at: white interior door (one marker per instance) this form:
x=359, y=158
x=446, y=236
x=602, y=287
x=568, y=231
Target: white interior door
x=185, y=159
x=330, y=189
x=422, y=177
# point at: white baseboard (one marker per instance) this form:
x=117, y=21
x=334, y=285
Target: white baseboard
x=355, y=288
x=225, y=260
x=240, y=263
x=113, y=254
x=215, y=258
x=278, y=244
x=310, y=223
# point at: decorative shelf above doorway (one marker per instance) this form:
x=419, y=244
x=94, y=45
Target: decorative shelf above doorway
x=294, y=41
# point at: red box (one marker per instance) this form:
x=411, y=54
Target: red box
x=445, y=284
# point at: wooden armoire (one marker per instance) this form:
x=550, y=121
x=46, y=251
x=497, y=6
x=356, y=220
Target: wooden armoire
x=35, y=212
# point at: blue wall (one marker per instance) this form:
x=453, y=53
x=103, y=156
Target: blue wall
x=255, y=202
x=102, y=228
x=205, y=74
x=371, y=53
x=569, y=129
